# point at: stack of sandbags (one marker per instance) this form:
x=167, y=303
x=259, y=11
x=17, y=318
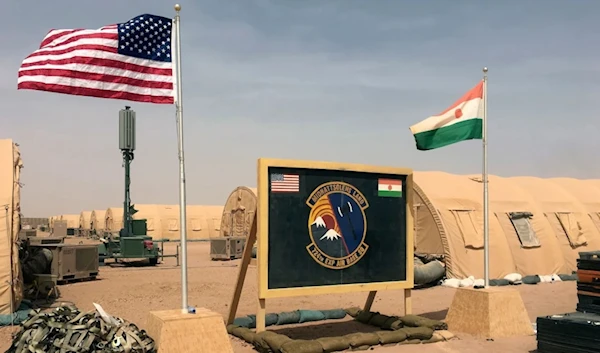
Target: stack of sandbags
x=291, y=317
x=409, y=329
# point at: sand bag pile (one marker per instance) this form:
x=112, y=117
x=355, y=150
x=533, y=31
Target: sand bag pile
x=66, y=329
x=409, y=329
x=291, y=317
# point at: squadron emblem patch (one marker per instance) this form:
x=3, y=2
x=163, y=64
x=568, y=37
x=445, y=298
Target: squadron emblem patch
x=337, y=225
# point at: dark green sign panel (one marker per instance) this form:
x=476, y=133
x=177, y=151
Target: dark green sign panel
x=335, y=227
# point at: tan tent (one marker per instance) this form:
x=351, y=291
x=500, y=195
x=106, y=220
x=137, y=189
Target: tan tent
x=163, y=220
x=571, y=224
x=440, y=198
x=203, y=222
x=85, y=220
x=113, y=219
x=10, y=207
x=239, y=212
x=72, y=220
x=160, y=219
x=537, y=226
x=588, y=194
x=98, y=220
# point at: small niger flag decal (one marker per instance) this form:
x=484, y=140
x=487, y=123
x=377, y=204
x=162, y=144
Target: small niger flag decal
x=390, y=188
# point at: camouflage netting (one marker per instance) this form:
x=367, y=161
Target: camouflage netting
x=409, y=329
x=67, y=330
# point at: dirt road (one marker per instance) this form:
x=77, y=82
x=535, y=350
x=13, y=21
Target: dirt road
x=131, y=292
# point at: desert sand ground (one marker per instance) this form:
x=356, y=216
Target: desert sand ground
x=131, y=292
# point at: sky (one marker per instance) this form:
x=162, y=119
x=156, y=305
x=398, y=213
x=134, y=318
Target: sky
x=335, y=80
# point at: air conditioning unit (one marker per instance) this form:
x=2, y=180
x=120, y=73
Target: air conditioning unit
x=72, y=261
x=43, y=241
x=227, y=248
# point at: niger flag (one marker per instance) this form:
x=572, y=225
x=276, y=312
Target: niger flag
x=462, y=121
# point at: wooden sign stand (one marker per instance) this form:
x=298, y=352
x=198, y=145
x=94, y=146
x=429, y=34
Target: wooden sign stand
x=260, y=229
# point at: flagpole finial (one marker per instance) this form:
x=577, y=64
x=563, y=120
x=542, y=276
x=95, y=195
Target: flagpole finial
x=485, y=70
x=177, y=7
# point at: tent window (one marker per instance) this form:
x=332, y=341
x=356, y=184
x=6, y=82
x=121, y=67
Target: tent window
x=196, y=226
x=173, y=225
x=566, y=224
x=217, y=224
x=150, y=224
x=522, y=224
x=469, y=229
x=595, y=216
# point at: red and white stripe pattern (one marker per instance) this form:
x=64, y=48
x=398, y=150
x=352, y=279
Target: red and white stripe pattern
x=285, y=182
x=105, y=62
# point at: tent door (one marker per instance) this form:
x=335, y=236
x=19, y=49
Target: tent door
x=238, y=222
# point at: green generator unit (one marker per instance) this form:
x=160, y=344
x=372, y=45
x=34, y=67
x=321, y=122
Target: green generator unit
x=132, y=241
x=137, y=246
x=139, y=227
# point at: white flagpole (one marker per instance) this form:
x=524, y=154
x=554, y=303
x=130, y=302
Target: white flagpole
x=182, y=202
x=486, y=222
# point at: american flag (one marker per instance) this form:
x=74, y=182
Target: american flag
x=129, y=61
x=285, y=182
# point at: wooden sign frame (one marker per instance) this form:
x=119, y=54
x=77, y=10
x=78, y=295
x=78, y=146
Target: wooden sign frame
x=260, y=228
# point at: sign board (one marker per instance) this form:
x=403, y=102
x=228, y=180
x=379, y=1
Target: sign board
x=333, y=228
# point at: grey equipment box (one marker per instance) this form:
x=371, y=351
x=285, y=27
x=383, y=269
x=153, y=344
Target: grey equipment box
x=72, y=261
x=27, y=233
x=227, y=248
x=59, y=229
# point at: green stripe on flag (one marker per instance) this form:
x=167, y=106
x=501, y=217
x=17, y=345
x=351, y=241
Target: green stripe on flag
x=388, y=193
x=465, y=130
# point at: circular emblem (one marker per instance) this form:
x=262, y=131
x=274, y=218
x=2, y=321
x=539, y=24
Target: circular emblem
x=337, y=225
x=458, y=113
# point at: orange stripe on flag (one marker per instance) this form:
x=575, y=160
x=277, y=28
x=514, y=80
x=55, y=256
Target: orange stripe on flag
x=390, y=182
x=475, y=92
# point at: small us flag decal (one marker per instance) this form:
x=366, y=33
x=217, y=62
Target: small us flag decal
x=285, y=182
